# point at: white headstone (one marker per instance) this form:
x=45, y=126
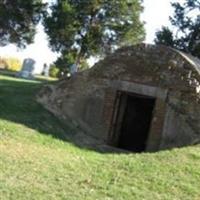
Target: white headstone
x=27, y=68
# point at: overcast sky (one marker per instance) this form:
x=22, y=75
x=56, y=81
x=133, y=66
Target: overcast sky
x=156, y=14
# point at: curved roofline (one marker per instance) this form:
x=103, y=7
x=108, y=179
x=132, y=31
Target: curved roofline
x=194, y=61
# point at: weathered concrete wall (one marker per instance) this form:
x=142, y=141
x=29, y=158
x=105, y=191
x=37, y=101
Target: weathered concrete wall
x=88, y=97
x=176, y=130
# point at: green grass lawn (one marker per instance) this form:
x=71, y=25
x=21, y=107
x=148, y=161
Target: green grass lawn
x=38, y=160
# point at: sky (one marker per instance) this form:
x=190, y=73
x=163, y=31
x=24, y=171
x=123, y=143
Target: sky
x=156, y=14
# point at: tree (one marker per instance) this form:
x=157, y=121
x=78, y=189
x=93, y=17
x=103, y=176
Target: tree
x=186, y=23
x=13, y=64
x=10, y=63
x=81, y=29
x=54, y=71
x=18, y=20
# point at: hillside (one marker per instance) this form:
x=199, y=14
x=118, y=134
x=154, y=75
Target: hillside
x=39, y=159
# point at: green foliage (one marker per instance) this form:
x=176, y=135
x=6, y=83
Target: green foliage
x=65, y=61
x=83, y=65
x=18, y=20
x=165, y=37
x=92, y=27
x=186, y=21
x=39, y=159
x=54, y=71
x=12, y=64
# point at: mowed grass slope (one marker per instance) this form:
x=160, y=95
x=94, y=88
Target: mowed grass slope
x=38, y=162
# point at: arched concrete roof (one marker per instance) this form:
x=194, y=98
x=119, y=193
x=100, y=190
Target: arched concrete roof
x=172, y=77
x=155, y=65
x=159, y=50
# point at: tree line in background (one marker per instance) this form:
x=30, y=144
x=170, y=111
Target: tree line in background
x=80, y=29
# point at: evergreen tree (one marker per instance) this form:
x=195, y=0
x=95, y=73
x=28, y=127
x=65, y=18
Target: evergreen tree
x=80, y=29
x=186, y=23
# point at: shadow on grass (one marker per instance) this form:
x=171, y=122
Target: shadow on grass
x=18, y=104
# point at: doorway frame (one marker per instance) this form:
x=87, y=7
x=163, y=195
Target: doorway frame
x=157, y=123
x=118, y=115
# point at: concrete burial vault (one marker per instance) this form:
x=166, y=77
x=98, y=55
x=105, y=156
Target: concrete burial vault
x=141, y=98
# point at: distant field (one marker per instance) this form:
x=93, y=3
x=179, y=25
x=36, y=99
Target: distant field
x=38, y=160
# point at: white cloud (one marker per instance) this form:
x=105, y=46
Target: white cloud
x=156, y=14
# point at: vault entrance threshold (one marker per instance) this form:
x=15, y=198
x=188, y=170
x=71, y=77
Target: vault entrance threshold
x=132, y=121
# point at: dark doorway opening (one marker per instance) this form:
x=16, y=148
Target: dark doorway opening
x=133, y=121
